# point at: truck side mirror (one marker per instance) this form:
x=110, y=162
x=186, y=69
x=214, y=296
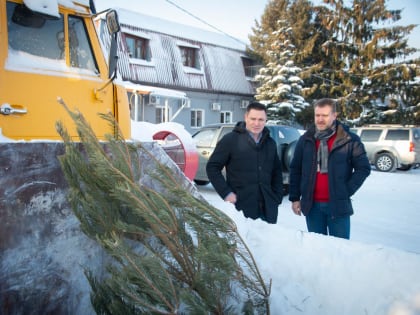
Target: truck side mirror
x=113, y=28
x=112, y=22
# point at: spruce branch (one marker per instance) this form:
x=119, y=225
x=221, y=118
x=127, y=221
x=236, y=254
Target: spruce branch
x=170, y=251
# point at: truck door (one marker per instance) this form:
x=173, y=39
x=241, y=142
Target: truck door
x=43, y=58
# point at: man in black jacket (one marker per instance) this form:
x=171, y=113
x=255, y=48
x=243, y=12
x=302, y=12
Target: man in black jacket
x=254, y=180
x=329, y=165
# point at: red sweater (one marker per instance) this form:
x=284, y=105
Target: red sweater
x=321, y=184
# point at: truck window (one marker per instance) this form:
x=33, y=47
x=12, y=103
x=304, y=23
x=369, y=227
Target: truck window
x=81, y=55
x=43, y=36
x=32, y=33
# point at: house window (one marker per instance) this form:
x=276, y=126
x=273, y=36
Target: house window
x=162, y=115
x=135, y=101
x=225, y=117
x=197, y=118
x=189, y=57
x=250, y=69
x=137, y=47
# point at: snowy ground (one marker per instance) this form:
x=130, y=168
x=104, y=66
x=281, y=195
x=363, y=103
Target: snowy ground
x=376, y=272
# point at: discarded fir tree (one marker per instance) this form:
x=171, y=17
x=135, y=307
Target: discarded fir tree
x=171, y=251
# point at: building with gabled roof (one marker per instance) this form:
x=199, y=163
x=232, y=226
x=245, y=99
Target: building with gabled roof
x=181, y=73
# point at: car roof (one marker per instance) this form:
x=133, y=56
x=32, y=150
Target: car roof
x=234, y=124
x=382, y=126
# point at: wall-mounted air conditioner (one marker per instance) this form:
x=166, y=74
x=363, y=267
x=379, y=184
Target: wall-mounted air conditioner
x=216, y=106
x=186, y=103
x=154, y=99
x=245, y=103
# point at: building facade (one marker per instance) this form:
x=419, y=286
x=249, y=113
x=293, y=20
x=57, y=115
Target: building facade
x=178, y=73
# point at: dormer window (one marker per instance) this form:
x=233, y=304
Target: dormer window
x=189, y=57
x=249, y=67
x=137, y=47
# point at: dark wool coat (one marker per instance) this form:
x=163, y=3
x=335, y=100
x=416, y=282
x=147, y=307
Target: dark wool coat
x=253, y=171
x=348, y=167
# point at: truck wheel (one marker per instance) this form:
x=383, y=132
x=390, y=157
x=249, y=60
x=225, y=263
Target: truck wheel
x=385, y=162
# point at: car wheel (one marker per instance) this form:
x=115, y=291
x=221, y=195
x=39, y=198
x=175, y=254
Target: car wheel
x=201, y=182
x=405, y=167
x=285, y=189
x=280, y=152
x=385, y=162
x=288, y=154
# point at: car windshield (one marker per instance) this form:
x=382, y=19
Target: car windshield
x=284, y=134
x=204, y=138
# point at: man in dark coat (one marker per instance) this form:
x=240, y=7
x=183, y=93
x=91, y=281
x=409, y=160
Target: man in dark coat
x=329, y=165
x=254, y=180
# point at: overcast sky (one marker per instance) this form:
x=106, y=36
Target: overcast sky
x=235, y=17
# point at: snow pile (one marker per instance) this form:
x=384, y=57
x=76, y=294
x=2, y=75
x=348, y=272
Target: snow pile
x=376, y=272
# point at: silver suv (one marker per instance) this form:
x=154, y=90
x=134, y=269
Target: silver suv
x=207, y=137
x=391, y=146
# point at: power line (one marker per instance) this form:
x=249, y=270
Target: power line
x=202, y=21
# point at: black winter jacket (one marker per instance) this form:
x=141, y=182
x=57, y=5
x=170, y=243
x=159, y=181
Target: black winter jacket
x=348, y=167
x=253, y=172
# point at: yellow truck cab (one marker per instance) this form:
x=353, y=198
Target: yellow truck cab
x=48, y=53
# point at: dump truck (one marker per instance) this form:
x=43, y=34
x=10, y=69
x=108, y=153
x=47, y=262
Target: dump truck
x=49, y=51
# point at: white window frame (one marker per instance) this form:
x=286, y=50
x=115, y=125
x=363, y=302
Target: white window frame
x=165, y=114
x=194, y=112
x=224, y=114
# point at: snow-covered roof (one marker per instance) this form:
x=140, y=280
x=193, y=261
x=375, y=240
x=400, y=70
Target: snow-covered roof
x=50, y=7
x=178, y=29
x=153, y=90
x=219, y=58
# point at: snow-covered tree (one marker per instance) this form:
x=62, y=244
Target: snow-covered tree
x=280, y=84
x=351, y=51
x=373, y=51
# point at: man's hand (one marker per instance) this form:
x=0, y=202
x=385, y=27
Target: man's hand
x=231, y=198
x=296, y=207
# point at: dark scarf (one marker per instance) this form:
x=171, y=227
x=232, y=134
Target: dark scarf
x=322, y=154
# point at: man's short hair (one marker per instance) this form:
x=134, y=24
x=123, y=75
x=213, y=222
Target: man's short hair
x=326, y=102
x=256, y=106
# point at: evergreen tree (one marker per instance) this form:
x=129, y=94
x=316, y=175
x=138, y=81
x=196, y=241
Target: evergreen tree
x=262, y=37
x=370, y=52
x=171, y=252
x=305, y=117
x=280, y=82
x=351, y=51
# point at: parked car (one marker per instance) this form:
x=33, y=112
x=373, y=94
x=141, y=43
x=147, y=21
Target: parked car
x=390, y=147
x=207, y=137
